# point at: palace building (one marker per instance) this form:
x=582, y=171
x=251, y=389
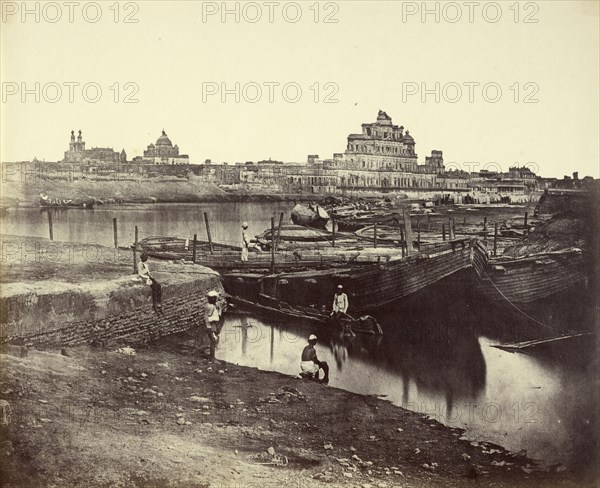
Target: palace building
x=77, y=152
x=164, y=152
x=381, y=146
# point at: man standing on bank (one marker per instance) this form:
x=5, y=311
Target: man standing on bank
x=340, y=302
x=212, y=320
x=310, y=364
x=245, y=241
x=144, y=273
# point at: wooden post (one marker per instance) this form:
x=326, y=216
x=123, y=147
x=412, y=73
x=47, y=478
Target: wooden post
x=115, y=233
x=135, y=244
x=333, y=231
x=401, y=238
x=418, y=232
x=50, y=230
x=525, y=229
x=272, y=244
x=408, y=229
x=485, y=224
x=450, y=230
x=194, y=248
x=453, y=227
x=375, y=234
x=210, y=246
x=279, y=230
x=495, y=238
x=443, y=232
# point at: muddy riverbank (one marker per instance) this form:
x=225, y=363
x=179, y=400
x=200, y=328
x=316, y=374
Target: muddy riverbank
x=168, y=417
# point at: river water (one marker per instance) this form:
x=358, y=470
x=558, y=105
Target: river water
x=436, y=357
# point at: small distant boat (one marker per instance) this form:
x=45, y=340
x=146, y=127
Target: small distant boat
x=298, y=236
x=178, y=248
x=46, y=201
x=312, y=215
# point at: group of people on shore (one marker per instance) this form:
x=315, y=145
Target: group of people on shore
x=310, y=364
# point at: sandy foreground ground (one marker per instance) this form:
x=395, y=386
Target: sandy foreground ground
x=168, y=417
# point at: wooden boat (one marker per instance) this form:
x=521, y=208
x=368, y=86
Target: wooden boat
x=295, y=260
x=46, y=201
x=312, y=215
x=364, y=325
x=530, y=278
x=298, y=236
x=369, y=286
x=179, y=248
x=360, y=219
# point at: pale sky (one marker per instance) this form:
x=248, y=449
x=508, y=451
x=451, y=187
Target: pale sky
x=375, y=56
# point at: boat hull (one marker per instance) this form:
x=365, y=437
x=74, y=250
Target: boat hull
x=531, y=279
x=308, y=216
x=373, y=286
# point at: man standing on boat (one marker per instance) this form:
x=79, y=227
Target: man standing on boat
x=310, y=364
x=245, y=241
x=212, y=320
x=340, y=302
x=144, y=273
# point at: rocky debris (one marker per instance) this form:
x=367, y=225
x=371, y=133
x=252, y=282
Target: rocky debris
x=328, y=447
x=284, y=394
x=6, y=449
x=198, y=399
x=5, y=413
x=325, y=476
x=126, y=351
x=270, y=457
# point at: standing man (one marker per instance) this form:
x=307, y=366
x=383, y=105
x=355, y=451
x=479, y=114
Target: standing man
x=310, y=364
x=340, y=302
x=245, y=241
x=144, y=273
x=212, y=320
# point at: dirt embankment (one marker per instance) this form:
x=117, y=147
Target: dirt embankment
x=164, y=189
x=166, y=417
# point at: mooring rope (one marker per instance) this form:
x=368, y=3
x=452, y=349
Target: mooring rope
x=562, y=333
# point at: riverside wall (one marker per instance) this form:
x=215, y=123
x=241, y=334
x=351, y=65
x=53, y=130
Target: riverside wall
x=50, y=313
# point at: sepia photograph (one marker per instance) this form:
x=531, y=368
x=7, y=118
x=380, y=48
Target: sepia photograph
x=300, y=244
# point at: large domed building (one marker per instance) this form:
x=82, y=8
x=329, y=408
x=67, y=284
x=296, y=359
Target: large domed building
x=164, y=152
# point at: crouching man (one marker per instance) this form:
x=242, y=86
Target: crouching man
x=310, y=364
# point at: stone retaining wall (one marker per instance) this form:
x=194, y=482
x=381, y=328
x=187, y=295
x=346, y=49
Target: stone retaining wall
x=61, y=314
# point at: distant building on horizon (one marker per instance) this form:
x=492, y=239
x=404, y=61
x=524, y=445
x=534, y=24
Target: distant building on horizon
x=163, y=152
x=77, y=152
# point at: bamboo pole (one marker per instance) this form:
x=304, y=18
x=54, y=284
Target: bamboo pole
x=50, y=229
x=135, y=244
x=408, y=229
x=333, y=231
x=272, y=244
x=375, y=234
x=194, y=248
x=210, y=245
x=279, y=230
x=495, y=238
x=115, y=233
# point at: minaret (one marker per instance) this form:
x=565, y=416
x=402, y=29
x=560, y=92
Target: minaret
x=72, y=143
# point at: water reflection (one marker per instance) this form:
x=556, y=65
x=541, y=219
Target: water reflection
x=450, y=373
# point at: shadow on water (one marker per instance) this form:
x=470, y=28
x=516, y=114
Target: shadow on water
x=436, y=358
